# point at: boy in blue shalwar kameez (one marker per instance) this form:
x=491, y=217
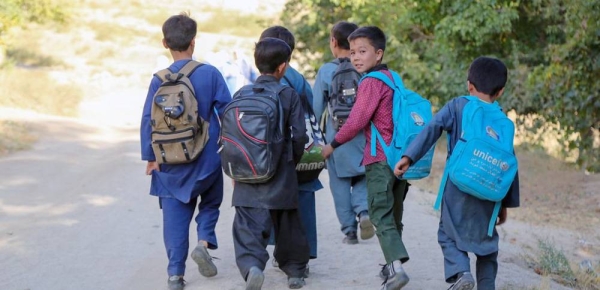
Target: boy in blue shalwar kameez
x=464, y=218
x=180, y=186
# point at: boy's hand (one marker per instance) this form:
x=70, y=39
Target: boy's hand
x=327, y=150
x=152, y=165
x=402, y=166
x=501, y=216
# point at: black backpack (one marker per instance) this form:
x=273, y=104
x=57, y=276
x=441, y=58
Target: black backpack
x=252, y=135
x=344, y=85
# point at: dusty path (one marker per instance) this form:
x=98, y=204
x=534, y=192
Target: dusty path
x=75, y=214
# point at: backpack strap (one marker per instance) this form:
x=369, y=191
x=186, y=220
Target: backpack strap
x=375, y=135
x=189, y=68
x=162, y=74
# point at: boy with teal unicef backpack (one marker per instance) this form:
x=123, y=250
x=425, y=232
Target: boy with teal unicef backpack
x=480, y=180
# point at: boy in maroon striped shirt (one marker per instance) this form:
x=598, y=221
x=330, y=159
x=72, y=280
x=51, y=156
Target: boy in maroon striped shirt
x=385, y=193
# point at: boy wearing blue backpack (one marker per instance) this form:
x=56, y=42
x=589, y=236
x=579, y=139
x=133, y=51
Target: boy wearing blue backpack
x=373, y=107
x=480, y=180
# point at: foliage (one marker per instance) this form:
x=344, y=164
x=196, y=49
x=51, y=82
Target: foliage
x=551, y=47
x=18, y=12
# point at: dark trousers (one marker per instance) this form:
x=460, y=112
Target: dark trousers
x=385, y=197
x=457, y=261
x=177, y=217
x=251, y=232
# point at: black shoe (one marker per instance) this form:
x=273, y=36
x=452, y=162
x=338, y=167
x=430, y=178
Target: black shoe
x=350, y=239
x=296, y=283
x=176, y=283
x=385, y=272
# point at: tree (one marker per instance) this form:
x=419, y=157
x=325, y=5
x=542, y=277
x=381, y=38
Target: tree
x=15, y=13
x=550, y=46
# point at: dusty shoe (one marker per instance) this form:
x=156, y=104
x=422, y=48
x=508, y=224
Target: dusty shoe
x=385, y=272
x=296, y=283
x=255, y=279
x=206, y=267
x=367, y=230
x=176, y=283
x=350, y=239
x=396, y=279
x=465, y=282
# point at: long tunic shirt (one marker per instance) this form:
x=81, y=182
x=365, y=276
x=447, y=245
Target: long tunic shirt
x=281, y=191
x=373, y=104
x=185, y=181
x=464, y=218
x=347, y=158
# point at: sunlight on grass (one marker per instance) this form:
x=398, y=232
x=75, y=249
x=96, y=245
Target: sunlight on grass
x=37, y=91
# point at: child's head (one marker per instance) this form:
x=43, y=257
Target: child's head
x=339, y=36
x=367, y=45
x=179, y=32
x=271, y=56
x=280, y=32
x=487, y=76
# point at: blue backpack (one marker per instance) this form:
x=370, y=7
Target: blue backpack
x=483, y=163
x=410, y=113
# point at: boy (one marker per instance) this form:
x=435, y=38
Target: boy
x=464, y=218
x=385, y=193
x=346, y=174
x=179, y=186
x=306, y=191
x=259, y=207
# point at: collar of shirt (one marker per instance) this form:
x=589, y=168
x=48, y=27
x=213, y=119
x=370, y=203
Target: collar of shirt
x=266, y=79
x=382, y=66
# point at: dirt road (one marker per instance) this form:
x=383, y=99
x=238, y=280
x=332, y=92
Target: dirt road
x=75, y=214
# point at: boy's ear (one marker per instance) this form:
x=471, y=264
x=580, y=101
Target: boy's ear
x=281, y=68
x=471, y=88
x=379, y=53
x=333, y=41
x=164, y=42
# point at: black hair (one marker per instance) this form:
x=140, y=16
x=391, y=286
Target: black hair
x=281, y=33
x=375, y=36
x=270, y=53
x=488, y=75
x=341, y=31
x=179, y=31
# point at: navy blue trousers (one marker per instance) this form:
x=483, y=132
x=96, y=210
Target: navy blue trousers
x=177, y=217
x=457, y=261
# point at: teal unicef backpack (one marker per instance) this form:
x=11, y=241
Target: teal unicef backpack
x=410, y=113
x=483, y=163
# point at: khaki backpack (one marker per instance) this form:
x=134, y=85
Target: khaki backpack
x=178, y=133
